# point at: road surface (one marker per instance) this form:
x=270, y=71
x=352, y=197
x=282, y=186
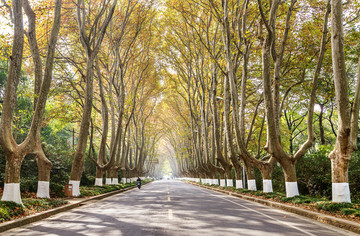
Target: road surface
x=167, y=208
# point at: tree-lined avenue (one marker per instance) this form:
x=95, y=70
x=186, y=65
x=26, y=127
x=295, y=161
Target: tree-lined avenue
x=167, y=208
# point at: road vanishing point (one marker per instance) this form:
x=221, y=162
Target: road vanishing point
x=167, y=208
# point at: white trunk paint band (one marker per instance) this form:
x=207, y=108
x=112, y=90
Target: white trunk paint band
x=222, y=182
x=98, y=182
x=267, y=186
x=340, y=192
x=43, y=190
x=76, y=187
x=108, y=181
x=229, y=182
x=239, y=183
x=291, y=189
x=12, y=193
x=252, y=184
x=115, y=181
x=123, y=180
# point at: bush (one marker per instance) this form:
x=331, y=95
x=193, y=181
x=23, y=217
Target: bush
x=332, y=207
x=87, y=180
x=57, y=190
x=29, y=185
x=314, y=172
x=9, y=210
x=347, y=211
x=354, y=176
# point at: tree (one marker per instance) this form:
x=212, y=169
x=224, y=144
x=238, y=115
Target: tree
x=348, y=118
x=14, y=152
x=92, y=32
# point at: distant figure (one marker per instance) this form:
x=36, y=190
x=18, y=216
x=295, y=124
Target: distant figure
x=138, y=182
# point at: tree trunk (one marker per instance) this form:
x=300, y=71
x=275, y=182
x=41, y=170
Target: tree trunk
x=250, y=172
x=12, y=178
x=44, y=169
x=108, y=177
x=99, y=177
x=340, y=156
x=114, y=175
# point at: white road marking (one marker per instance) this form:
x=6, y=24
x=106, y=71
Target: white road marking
x=169, y=199
x=170, y=214
x=280, y=221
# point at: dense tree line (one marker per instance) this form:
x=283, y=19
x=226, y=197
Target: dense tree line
x=222, y=89
x=93, y=71
x=262, y=84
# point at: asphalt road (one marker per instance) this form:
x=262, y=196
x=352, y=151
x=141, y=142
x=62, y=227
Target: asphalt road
x=167, y=208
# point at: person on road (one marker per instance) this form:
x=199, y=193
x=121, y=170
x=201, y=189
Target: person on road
x=138, y=182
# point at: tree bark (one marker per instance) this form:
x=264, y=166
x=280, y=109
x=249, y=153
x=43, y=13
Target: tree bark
x=341, y=154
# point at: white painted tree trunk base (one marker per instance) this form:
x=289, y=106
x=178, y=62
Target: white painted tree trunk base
x=43, y=189
x=252, y=184
x=239, y=184
x=229, y=182
x=267, y=186
x=98, y=182
x=108, y=181
x=123, y=180
x=115, y=181
x=76, y=187
x=222, y=183
x=292, y=189
x=11, y=193
x=340, y=192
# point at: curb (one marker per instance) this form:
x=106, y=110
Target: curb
x=45, y=214
x=331, y=220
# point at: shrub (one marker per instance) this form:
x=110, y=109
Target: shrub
x=332, y=207
x=87, y=180
x=314, y=172
x=29, y=185
x=57, y=190
x=347, y=211
x=9, y=210
x=357, y=214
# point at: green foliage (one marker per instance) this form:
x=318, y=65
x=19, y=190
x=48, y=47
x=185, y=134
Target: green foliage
x=9, y=210
x=57, y=190
x=96, y=190
x=29, y=185
x=43, y=204
x=332, y=207
x=354, y=176
x=87, y=180
x=314, y=172
x=347, y=211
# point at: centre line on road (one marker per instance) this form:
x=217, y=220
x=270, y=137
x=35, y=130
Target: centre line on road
x=280, y=221
x=170, y=214
x=169, y=199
